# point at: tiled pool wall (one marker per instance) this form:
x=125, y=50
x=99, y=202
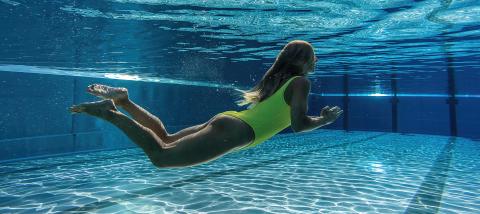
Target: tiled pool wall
x=426, y=115
x=34, y=119
x=436, y=104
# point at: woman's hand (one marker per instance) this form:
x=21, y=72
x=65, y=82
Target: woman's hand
x=330, y=114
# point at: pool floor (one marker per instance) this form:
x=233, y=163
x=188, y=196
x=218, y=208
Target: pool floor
x=324, y=171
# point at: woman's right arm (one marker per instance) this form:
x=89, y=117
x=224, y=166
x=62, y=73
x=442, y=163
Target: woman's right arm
x=299, y=107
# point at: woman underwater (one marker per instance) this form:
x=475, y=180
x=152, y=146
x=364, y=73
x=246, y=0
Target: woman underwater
x=278, y=101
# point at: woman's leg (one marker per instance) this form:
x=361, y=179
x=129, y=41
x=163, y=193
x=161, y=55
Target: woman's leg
x=152, y=122
x=146, y=119
x=207, y=144
x=142, y=116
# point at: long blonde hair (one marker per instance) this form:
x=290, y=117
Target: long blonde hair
x=289, y=62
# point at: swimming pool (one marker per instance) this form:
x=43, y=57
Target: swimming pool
x=317, y=172
x=405, y=73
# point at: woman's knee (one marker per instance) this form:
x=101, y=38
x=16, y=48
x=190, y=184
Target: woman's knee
x=159, y=162
x=167, y=159
x=169, y=163
x=169, y=139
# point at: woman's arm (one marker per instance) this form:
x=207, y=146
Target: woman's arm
x=299, y=107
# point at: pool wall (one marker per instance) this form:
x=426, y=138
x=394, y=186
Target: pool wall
x=439, y=105
x=35, y=120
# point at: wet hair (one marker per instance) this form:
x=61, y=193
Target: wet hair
x=289, y=62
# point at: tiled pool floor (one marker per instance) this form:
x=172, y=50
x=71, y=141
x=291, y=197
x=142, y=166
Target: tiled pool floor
x=324, y=171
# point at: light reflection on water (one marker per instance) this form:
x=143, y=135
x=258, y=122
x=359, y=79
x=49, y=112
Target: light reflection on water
x=213, y=41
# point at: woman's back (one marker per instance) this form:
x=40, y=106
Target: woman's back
x=269, y=116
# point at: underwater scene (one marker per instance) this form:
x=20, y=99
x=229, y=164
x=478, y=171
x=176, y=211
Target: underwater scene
x=393, y=106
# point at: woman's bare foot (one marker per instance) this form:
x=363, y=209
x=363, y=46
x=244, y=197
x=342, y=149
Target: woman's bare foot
x=117, y=94
x=99, y=108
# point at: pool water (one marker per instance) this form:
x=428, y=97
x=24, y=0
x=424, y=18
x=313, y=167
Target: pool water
x=392, y=66
x=323, y=171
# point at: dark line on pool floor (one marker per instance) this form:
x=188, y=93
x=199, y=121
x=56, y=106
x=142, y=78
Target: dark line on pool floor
x=199, y=178
x=81, y=161
x=429, y=195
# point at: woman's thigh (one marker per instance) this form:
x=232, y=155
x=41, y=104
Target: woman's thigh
x=217, y=138
x=186, y=131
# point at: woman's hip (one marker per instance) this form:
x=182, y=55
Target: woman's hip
x=230, y=122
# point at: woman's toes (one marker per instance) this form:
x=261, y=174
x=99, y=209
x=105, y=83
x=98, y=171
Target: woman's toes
x=91, y=88
x=76, y=109
x=94, y=108
x=108, y=92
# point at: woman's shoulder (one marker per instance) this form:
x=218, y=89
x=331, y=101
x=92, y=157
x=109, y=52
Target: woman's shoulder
x=300, y=82
x=299, y=85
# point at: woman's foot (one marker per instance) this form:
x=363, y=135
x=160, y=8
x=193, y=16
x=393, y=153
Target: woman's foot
x=99, y=108
x=118, y=95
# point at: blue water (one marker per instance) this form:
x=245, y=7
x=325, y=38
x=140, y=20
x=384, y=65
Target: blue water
x=234, y=42
x=405, y=73
x=316, y=172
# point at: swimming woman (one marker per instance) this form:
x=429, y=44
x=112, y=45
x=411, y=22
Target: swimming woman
x=278, y=101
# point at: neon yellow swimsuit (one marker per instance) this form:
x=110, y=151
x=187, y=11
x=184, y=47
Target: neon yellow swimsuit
x=266, y=118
